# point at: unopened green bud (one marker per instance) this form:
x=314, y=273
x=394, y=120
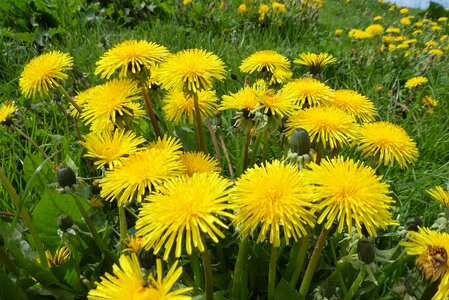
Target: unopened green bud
x=366, y=250
x=299, y=141
x=64, y=222
x=65, y=176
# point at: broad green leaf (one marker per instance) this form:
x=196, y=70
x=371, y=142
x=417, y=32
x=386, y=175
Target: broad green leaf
x=285, y=291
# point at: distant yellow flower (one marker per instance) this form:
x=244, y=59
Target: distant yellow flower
x=410, y=41
x=266, y=63
x=355, y=105
x=377, y=18
x=350, y=193
x=328, y=126
x=439, y=194
x=61, y=256
x=387, y=39
x=415, y=82
x=430, y=102
x=191, y=70
x=417, y=32
x=443, y=37
x=388, y=143
x=272, y=199
x=44, y=73
x=358, y=34
x=141, y=172
x=393, y=30
x=436, y=28
x=130, y=56
x=127, y=282
x=404, y=11
x=374, y=29
x=244, y=99
x=182, y=211
x=310, y=92
x=7, y=109
x=419, y=24
x=338, y=32
x=198, y=162
x=405, y=21
x=431, y=43
x=111, y=101
x=442, y=19
x=436, y=52
x=263, y=11
x=242, y=9
x=278, y=7
x=432, y=248
x=111, y=147
x=186, y=2
x=314, y=61
x=180, y=108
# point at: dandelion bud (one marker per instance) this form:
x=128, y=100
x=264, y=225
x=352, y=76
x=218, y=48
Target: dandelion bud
x=366, y=250
x=64, y=222
x=299, y=141
x=65, y=176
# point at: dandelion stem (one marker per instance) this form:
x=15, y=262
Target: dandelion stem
x=300, y=259
x=228, y=159
x=25, y=217
x=195, y=264
x=214, y=140
x=151, y=114
x=123, y=225
x=199, y=124
x=208, y=275
x=265, y=144
x=313, y=262
x=70, y=99
x=246, y=151
x=240, y=280
x=93, y=230
x=356, y=284
x=272, y=273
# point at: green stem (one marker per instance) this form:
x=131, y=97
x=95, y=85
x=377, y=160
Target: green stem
x=208, y=275
x=25, y=217
x=239, y=287
x=213, y=136
x=199, y=124
x=265, y=144
x=339, y=275
x=255, y=149
x=313, y=262
x=226, y=153
x=272, y=273
x=151, y=114
x=93, y=230
x=246, y=149
x=123, y=225
x=195, y=264
x=300, y=259
x=356, y=284
x=70, y=99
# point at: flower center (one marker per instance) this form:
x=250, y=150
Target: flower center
x=433, y=263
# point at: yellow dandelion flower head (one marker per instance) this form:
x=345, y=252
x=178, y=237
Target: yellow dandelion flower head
x=377, y=18
x=198, y=162
x=442, y=19
x=393, y=30
x=263, y=9
x=314, y=61
x=417, y=32
x=132, y=243
x=355, y=105
x=436, y=28
x=405, y=21
x=410, y=41
x=180, y=108
x=350, y=193
x=281, y=76
x=404, y=11
x=374, y=29
x=272, y=199
x=443, y=37
x=186, y=2
x=192, y=70
x=242, y=9
x=418, y=24
x=436, y=52
x=278, y=7
x=310, y=92
x=166, y=143
x=430, y=101
x=182, y=211
x=358, y=34
x=153, y=80
x=7, y=109
x=281, y=102
x=432, y=248
x=61, y=256
x=110, y=147
x=415, y=82
x=387, y=40
x=431, y=43
x=328, y=126
x=110, y=101
x=44, y=73
x=130, y=56
x=400, y=38
x=388, y=143
x=81, y=98
x=439, y=194
x=244, y=99
x=141, y=172
x=338, y=32
x=266, y=63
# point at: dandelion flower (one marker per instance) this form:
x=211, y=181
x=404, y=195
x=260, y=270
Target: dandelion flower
x=281, y=102
x=278, y=7
x=191, y=69
x=130, y=56
x=387, y=142
x=404, y=11
x=338, y=32
x=310, y=92
x=329, y=126
x=272, y=200
x=350, y=193
x=132, y=243
x=245, y=99
x=110, y=147
x=358, y=34
x=439, y=194
x=198, y=162
x=242, y=9
x=127, y=282
x=7, y=109
x=82, y=98
x=436, y=52
x=109, y=101
x=61, y=256
x=314, y=61
x=183, y=210
x=393, y=30
x=141, y=172
x=355, y=105
x=180, y=108
x=267, y=64
x=432, y=248
x=44, y=72
x=430, y=102
x=374, y=29
x=415, y=82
